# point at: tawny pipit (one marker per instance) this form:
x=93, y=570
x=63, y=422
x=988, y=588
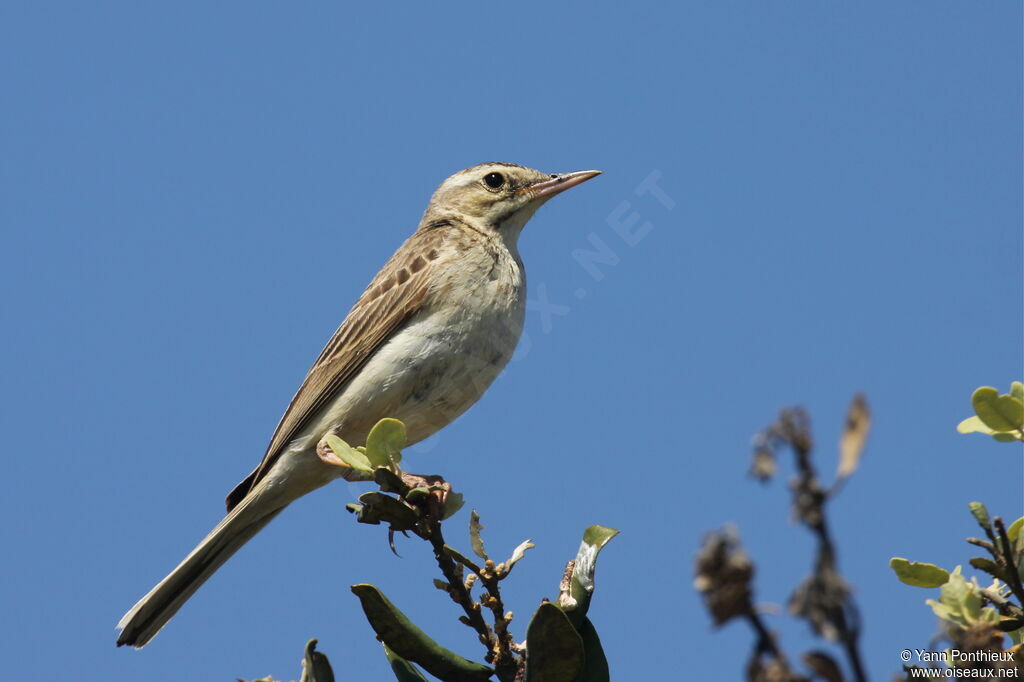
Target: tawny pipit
x=424, y=341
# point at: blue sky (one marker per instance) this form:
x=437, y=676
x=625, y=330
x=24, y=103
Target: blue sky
x=194, y=195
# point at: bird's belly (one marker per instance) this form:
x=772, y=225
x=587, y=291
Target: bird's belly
x=426, y=375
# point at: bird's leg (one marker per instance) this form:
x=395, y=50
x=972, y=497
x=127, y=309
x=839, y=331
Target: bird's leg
x=438, y=495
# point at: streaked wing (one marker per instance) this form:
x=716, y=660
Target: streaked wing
x=393, y=296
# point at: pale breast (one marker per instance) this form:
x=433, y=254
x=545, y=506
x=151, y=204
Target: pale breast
x=440, y=362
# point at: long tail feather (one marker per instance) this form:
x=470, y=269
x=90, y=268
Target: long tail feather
x=152, y=612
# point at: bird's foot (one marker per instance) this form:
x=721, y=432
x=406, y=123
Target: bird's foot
x=438, y=491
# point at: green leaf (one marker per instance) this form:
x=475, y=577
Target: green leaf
x=999, y=412
x=554, y=650
x=475, y=541
x=988, y=614
x=417, y=495
x=385, y=442
x=315, y=666
x=452, y=504
x=595, y=665
x=581, y=585
x=941, y=611
x=961, y=603
x=988, y=566
x=598, y=536
x=980, y=514
x=518, y=554
x=1013, y=532
x=961, y=597
x=388, y=481
x=404, y=670
x=378, y=507
x=411, y=643
x=1017, y=391
x=460, y=558
x=918, y=574
x=973, y=425
x=351, y=457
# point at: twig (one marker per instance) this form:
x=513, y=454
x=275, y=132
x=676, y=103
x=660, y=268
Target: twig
x=1003, y=606
x=1005, y=557
x=457, y=589
x=809, y=503
x=503, y=656
x=987, y=546
x=499, y=641
x=765, y=643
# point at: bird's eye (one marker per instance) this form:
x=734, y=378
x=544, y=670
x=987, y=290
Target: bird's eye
x=494, y=180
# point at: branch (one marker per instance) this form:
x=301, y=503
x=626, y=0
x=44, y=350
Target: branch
x=1004, y=556
x=823, y=598
x=457, y=588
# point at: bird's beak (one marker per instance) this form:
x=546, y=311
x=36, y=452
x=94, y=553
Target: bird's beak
x=545, y=189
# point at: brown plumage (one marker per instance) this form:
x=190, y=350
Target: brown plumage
x=423, y=342
x=390, y=299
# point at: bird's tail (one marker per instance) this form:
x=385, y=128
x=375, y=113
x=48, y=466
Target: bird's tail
x=152, y=612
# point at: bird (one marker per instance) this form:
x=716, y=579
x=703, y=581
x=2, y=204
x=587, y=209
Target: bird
x=432, y=330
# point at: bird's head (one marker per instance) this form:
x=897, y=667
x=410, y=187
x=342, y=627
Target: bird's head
x=499, y=197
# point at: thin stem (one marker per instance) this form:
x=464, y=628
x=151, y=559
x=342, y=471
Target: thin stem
x=765, y=640
x=497, y=640
x=812, y=512
x=503, y=656
x=987, y=546
x=1004, y=606
x=1005, y=557
x=849, y=633
x=851, y=645
x=458, y=589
